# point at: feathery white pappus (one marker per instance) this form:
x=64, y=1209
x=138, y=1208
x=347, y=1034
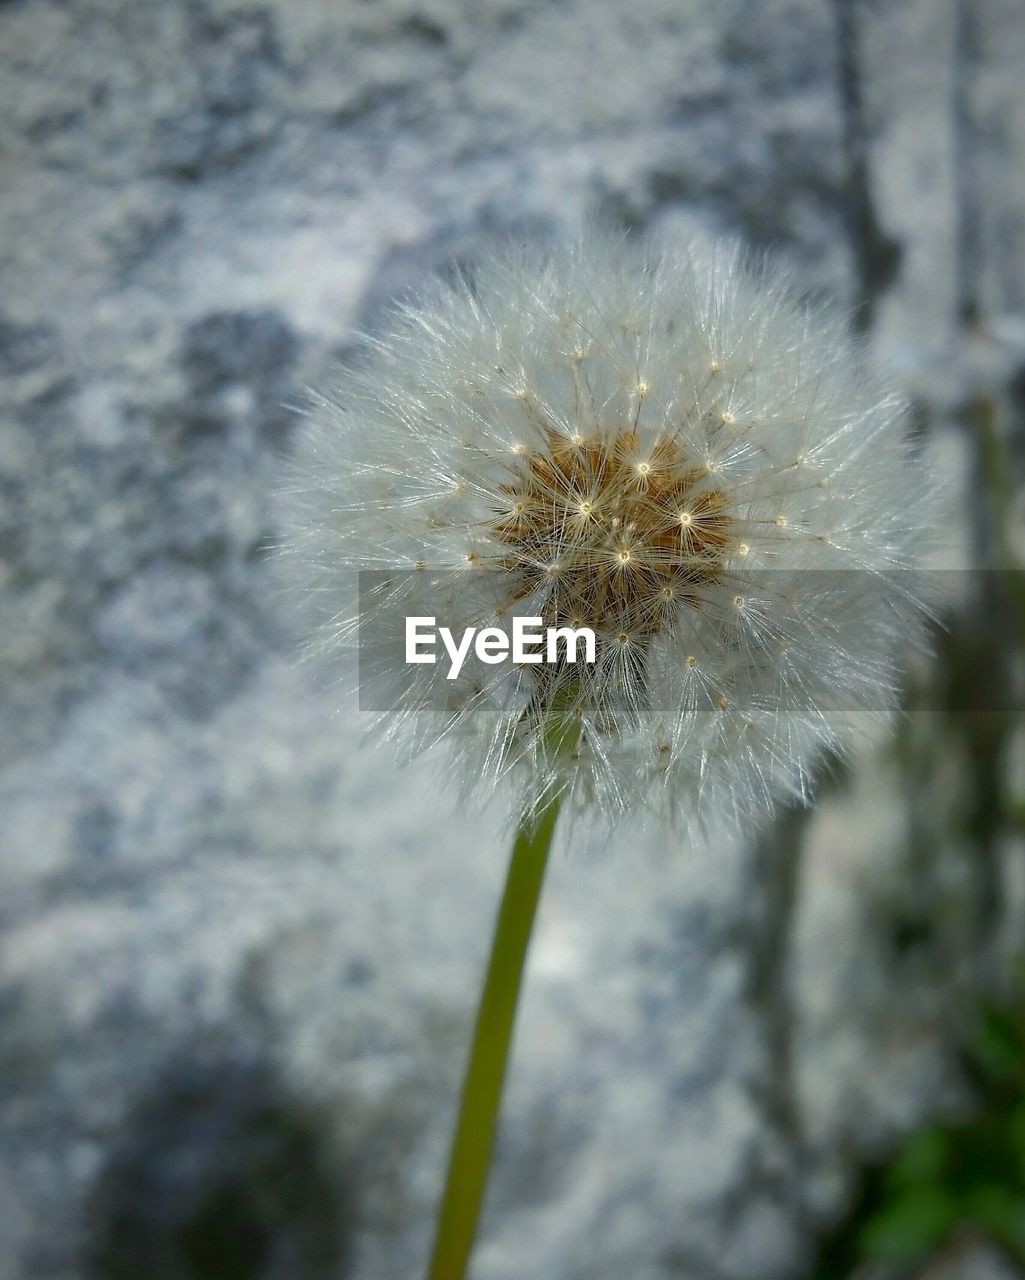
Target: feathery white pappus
x=665, y=444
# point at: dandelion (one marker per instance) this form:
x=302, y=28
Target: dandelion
x=667, y=446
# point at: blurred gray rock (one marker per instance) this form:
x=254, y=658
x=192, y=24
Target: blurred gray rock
x=199, y=200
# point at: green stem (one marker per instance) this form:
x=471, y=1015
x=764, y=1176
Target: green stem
x=485, y=1074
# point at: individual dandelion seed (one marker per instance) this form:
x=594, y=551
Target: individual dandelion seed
x=630, y=437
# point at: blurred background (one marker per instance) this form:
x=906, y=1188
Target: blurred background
x=240, y=951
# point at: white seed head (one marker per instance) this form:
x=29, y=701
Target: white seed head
x=605, y=434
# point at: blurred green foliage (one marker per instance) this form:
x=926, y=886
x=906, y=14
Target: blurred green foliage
x=964, y=1176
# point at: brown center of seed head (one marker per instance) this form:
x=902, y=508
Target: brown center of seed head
x=617, y=536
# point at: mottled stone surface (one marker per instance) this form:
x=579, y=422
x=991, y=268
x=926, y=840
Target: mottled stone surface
x=199, y=200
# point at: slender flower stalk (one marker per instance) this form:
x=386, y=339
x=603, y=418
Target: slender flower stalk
x=485, y=1074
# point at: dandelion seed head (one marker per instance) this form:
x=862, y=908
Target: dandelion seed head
x=664, y=444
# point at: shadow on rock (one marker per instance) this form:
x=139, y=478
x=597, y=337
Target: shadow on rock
x=221, y=1175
